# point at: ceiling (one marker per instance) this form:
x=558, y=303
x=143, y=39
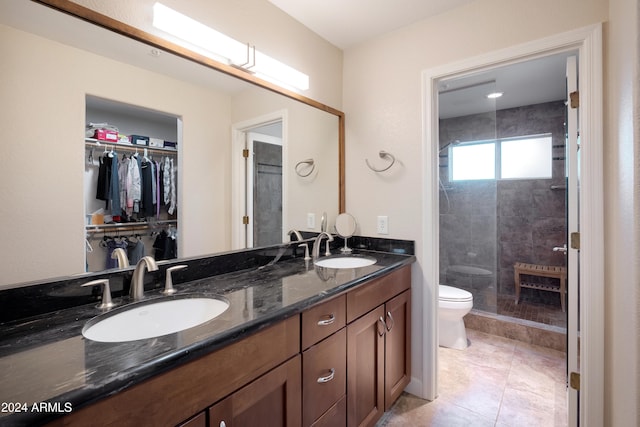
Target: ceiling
x=535, y=81
x=348, y=23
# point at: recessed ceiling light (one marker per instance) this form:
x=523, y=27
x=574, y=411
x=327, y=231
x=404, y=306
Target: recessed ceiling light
x=494, y=95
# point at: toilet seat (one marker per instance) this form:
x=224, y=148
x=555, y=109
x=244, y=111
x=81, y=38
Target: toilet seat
x=451, y=294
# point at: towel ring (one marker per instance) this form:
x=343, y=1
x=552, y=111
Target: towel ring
x=382, y=155
x=310, y=164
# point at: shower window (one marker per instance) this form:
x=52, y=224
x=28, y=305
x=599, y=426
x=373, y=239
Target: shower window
x=526, y=157
x=473, y=160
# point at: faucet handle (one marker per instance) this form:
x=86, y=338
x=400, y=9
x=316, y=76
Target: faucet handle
x=168, y=283
x=106, y=292
x=306, y=250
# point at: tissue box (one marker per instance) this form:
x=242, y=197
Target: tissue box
x=156, y=142
x=139, y=140
x=106, y=135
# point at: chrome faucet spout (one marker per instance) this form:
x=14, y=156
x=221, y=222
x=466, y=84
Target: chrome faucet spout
x=295, y=233
x=137, y=282
x=120, y=255
x=318, y=242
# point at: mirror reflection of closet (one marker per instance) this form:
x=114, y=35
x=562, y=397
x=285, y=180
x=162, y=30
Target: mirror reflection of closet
x=133, y=229
x=345, y=228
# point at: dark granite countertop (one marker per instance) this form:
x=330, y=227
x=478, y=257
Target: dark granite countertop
x=45, y=358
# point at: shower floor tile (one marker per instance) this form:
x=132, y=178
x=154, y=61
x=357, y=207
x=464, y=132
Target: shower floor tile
x=533, y=311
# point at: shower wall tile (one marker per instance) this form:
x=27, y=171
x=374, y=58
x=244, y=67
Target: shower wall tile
x=527, y=217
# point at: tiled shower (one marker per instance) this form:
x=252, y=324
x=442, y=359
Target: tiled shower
x=488, y=225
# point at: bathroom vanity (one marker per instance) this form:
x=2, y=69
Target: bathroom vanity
x=299, y=345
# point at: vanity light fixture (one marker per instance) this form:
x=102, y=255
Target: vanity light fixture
x=205, y=40
x=494, y=95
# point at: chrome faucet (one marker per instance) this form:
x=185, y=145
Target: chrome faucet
x=137, y=282
x=301, y=245
x=295, y=233
x=120, y=255
x=318, y=242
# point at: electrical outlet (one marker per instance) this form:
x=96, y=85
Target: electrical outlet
x=383, y=224
x=311, y=220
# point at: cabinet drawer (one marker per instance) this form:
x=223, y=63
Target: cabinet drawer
x=199, y=420
x=324, y=376
x=336, y=416
x=367, y=297
x=322, y=320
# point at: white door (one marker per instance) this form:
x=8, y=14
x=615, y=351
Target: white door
x=573, y=253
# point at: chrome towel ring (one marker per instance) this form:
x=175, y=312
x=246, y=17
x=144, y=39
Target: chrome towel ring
x=382, y=155
x=300, y=166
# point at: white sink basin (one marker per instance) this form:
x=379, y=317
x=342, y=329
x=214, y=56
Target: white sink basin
x=345, y=261
x=153, y=319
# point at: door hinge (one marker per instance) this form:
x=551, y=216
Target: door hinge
x=245, y=220
x=575, y=240
x=574, y=380
x=574, y=98
x=245, y=153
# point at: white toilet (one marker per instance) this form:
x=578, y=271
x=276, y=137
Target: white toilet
x=453, y=305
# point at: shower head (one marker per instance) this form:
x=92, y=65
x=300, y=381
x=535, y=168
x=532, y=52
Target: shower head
x=447, y=145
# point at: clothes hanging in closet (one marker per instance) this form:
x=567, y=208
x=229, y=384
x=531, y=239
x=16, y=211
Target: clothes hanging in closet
x=135, y=187
x=165, y=245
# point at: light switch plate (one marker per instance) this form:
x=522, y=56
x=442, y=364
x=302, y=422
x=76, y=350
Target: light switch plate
x=311, y=220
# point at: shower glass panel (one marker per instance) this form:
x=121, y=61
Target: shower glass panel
x=468, y=164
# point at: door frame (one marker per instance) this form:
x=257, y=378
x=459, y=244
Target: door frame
x=238, y=178
x=588, y=42
x=252, y=136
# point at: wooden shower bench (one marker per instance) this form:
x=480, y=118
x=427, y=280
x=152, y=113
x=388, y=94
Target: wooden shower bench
x=560, y=273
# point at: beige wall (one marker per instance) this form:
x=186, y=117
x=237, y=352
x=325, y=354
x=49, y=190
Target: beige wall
x=258, y=22
x=311, y=133
x=383, y=106
x=622, y=216
x=42, y=152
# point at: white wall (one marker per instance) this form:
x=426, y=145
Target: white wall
x=382, y=102
x=622, y=215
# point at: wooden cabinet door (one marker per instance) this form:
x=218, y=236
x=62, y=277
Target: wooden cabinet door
x=273, y=400
x=365, y=369
x=397, y=347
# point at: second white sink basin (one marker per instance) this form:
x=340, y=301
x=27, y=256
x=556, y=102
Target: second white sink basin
x=344, y=261
x=153, y=319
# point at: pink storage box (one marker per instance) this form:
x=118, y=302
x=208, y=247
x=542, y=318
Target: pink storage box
x=106, y=135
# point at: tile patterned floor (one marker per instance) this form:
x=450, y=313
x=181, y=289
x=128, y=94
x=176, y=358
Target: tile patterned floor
x=534, y=311
x=495, y=382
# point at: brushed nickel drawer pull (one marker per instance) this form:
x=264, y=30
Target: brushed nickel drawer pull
x=327, y=322
x=328, y=377
x=391, y=322
x=382, y=331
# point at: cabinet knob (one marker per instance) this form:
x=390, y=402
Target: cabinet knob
x=223, y=424
x=328, y=377
x=327, y=322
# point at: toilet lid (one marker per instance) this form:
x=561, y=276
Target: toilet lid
x=449, y=293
